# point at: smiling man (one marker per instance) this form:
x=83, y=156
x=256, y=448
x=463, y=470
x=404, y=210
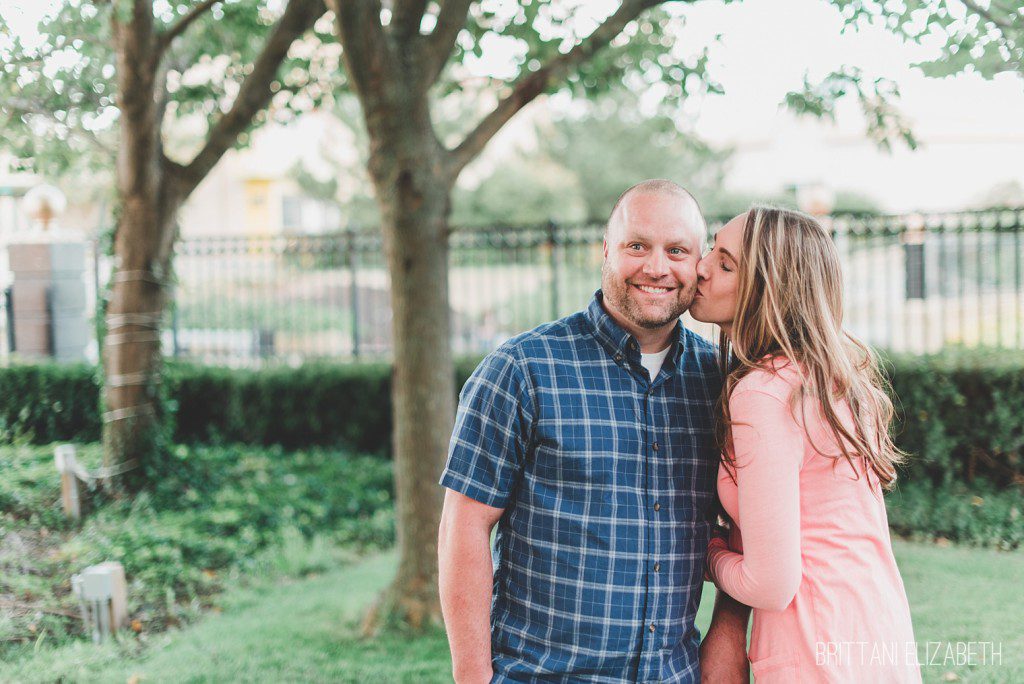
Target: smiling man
x=589, y=443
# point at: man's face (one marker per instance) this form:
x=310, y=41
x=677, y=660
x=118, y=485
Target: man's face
x=650, y=258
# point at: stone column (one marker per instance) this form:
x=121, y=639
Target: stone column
x=48, y=299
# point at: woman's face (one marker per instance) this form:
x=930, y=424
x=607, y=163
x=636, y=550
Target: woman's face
x=718, y=277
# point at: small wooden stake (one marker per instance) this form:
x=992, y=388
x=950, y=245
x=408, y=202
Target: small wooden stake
x=70, y=487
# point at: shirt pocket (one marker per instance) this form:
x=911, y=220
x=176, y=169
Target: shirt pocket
x=780, y=668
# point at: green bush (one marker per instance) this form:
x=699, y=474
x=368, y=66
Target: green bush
x=317, y=404
x=49, y=402
x=313, y=405
x=961, y=413
x=976, y=514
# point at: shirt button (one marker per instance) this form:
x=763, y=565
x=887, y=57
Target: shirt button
x=657, y=567
x=652, y=627
x=655, y=446
x=657, y=506
x=618, y=358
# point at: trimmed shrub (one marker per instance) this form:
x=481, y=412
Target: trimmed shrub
x=961, y=414
x=47, y=402
x=976, y=514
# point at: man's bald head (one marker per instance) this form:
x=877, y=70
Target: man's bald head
x=663, y=188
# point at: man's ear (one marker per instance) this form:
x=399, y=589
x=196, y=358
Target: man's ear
x=604, y=244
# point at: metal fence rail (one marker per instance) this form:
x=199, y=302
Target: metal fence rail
x=914, y=283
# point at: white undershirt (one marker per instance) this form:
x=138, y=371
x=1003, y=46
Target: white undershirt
x=653, y=362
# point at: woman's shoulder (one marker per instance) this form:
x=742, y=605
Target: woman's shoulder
x=774, y=375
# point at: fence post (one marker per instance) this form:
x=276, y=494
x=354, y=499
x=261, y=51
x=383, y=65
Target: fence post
x=915, y=290
x=174, y=325
x=9, y=310
x=51, y=322
x=97, y=304
x=1017, y=256
x=555, y=270
x=353, y=291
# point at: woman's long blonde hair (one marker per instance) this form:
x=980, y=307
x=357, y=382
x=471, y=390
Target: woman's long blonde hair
x=790, y=304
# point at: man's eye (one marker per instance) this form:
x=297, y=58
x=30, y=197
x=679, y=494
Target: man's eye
x=675, y=251
x=636, y=246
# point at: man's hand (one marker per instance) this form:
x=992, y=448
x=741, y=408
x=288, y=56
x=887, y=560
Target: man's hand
x=723, y=653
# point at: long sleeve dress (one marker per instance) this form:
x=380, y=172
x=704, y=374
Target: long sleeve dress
x=816, y=565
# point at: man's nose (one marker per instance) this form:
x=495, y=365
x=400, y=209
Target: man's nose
x=656, y=265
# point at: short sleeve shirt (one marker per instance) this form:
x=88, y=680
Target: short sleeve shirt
x=607, y=480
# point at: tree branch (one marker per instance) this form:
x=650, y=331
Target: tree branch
x=406, y=18
x=368, y=59
x=255, y=92
x=532, y=85
x=178, y=28
x=987, y=14
x=450, y=21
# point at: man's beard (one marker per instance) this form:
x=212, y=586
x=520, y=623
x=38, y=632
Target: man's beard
x=619, y=294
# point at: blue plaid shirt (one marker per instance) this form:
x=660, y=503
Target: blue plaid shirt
x=607, y=480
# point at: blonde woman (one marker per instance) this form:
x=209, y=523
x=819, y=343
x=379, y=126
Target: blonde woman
x=807, y=454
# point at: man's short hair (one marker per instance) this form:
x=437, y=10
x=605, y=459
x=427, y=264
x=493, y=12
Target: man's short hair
x=655, y=186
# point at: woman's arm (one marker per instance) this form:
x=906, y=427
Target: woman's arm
x=769, y=448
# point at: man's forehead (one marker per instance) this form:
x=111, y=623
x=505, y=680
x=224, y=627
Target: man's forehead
x=676, y=213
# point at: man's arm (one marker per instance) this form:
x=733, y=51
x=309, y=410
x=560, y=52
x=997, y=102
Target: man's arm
x=723, y=653
x=466, y=584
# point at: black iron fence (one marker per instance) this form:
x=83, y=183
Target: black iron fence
x=914, y=282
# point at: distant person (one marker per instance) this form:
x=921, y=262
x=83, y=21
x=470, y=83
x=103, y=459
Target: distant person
x=808, y=454
x=589, y=443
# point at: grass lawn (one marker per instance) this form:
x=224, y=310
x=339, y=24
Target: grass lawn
x=305, y=630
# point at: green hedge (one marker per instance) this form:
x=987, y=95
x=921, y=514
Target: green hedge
x=313, y=405
x=961, y=414
x=977, y=514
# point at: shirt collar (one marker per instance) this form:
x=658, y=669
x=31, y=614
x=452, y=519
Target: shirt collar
x=620, y=344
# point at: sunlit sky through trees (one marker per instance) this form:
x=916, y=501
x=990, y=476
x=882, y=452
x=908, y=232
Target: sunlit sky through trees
x=971, y=130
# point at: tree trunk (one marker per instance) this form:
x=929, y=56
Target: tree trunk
x=414, y=196
x=131, y=347
x=133, y=421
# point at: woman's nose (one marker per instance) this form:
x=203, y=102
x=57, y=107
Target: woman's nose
x=702, y=270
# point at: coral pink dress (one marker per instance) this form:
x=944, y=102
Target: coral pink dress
x=816, y=563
